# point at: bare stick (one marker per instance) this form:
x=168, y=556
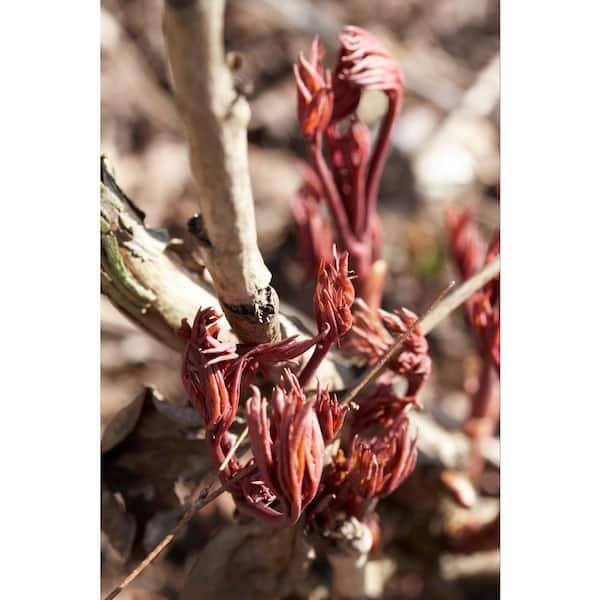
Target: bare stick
x=200, y=498
x=461, y=294
x=215, y=118
x=382, y=363
x=233, y=449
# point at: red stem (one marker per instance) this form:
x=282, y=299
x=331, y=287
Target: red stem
x=359, y=200
x=484, y=403
x=335, y=202
x=379, y=156
x=320, y=352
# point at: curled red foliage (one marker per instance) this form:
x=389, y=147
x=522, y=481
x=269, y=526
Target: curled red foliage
x=205, y=359
x=363, y=64
x=373, y=333
x=330, y=414
x=334, y=295
x=380, y=408
x=288, y=448
x=466, y=246
x=212, y=374
x=371, y=469
x=315, y=95
x=349, y=181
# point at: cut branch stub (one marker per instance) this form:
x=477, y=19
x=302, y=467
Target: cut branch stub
x=138, y=274
x=215, y=118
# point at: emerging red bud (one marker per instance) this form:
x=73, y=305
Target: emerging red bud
x=372, y=468
x=315, y=95
x=288, y=448
x=334, y=295
x=330, y=414
x=370, y=340
x=397, y=453
x=466, y=244
x=484, y=309
x=363, y=64
x=205, y=359
x=413, y=362
x=381, y=408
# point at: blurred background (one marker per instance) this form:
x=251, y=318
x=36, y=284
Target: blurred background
x=445, y=150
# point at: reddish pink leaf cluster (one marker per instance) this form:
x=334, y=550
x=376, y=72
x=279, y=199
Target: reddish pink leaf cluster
x=203, y=372
x=213, y=373
x=363, y=64
x=483, y=309
x=470, y=255
x=288, y=444
x=334, y=295
x=330, y=414
x=380, y=409
x=315, y=96
x=348, y=182
x=369, y=468
x=374, y=332
x=332, y=302
x=288, y=448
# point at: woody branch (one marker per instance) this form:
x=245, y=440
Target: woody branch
x=215, y=118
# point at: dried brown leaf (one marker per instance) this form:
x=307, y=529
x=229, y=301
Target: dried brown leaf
x=118, y=526
x=122, y=424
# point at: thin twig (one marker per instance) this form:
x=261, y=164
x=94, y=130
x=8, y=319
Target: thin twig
x=201, y=496
x=233, y=449
x=461, y=294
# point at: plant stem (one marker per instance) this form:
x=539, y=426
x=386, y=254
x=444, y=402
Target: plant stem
x=215, y=117
x=359, y=200
x=333, y=197
x=379, y=155
x=319, y=353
